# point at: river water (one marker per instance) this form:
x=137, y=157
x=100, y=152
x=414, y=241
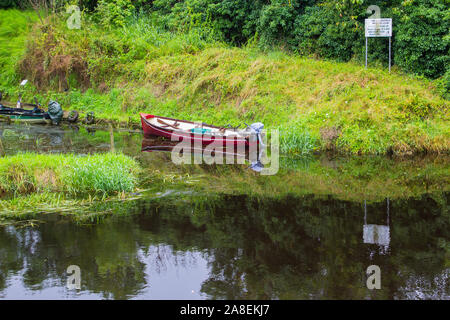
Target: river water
x=309, y=232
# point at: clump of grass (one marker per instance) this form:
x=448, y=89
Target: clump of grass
x=297, y=141
x=104, y=173
x=26, y=173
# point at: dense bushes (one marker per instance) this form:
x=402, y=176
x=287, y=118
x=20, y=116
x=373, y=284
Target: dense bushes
x=113, y=13
x=325, y=28
x=331, y=29
x=422, y=37
x=321, y=31
x=8, y=4
x=275, y=23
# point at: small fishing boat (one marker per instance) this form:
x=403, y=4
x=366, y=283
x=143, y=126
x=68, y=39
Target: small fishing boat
x=35, y=116
x=205, y=134
x=53, y=115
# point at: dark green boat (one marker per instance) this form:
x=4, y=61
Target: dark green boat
x=35, y=115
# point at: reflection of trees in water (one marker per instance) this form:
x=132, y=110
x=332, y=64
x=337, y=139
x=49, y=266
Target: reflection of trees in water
x=303, y=248
x=106, y=255
x=159, y=257
x=294, y=247
x=435, y=288
x=11, y=259
x=112, y=256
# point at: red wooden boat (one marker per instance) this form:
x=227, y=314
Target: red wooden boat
x=178, y=130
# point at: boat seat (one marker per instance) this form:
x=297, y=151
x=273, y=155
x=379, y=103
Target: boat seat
x=165, y=124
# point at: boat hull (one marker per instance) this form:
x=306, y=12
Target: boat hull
x=201, y=139
x=35, y=116
x=156, y=144
x=26, y=119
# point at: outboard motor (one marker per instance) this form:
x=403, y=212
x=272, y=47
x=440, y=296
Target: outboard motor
x=256, y=128
x=55, y=112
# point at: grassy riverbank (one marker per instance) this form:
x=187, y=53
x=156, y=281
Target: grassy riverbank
x=316, y=105
x=89, y=187
x=101, y=174
x=31, y=183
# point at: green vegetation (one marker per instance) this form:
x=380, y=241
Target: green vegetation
x=105, y=174
x=191, y=73
x=324, y=28
x=354, y=179
x=90, y=209
x=14, y=28
x=9, y=4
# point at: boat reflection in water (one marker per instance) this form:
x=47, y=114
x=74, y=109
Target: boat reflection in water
x=223, y=155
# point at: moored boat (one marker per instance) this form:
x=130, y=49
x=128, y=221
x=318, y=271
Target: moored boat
x=34, y=116
x=200, y=133
x=53, y=115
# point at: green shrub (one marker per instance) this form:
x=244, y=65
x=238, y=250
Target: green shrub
x=276, y=23
x=443, y=85
x=113, y=13
x=421, y=37
x=235, y=20
x=332, y=30
x=5, y=4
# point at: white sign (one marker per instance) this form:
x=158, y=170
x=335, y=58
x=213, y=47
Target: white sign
x=376, y=234
x=378, y=27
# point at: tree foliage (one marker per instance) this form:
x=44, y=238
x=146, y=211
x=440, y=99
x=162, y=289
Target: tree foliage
x=327, y=29
x=9, y=4
x=323, y=28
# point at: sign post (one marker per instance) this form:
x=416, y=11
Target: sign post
x=376, y=28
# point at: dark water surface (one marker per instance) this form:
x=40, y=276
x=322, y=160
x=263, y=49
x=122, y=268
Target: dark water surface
x=300, y=235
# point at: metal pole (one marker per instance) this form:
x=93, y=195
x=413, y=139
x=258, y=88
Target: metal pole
x=387, y=210
x=389, y=54
x=366, y=52
x=365, y=212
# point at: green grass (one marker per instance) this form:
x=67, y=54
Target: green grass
x=14, y=28
x=298, y=142
x=27, y=173
x=142, y=67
